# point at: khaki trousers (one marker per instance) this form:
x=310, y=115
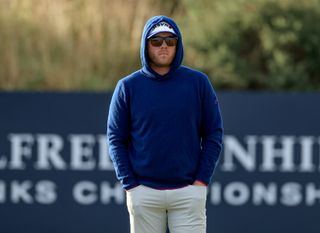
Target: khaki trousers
x=183, y=209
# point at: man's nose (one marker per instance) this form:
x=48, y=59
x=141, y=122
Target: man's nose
x=164, y=44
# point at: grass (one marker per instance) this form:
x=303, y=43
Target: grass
x=66, y=45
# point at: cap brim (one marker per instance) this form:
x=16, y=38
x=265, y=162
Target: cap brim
x=155, y=33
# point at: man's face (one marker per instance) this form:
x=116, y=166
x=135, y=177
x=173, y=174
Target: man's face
x=161, y=56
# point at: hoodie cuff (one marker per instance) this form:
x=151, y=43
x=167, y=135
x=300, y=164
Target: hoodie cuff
x=203, y=179
x=129, y=183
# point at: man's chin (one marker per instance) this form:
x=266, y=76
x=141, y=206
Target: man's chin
x=164, y=63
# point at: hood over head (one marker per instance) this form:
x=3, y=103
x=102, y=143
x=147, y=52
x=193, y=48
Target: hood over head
x=151, y=28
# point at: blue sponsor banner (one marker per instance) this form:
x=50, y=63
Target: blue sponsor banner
x=56, y=176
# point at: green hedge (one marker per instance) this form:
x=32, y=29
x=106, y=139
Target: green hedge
x=256, y=44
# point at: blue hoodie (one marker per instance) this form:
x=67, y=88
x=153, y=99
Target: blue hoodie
x=164, y=131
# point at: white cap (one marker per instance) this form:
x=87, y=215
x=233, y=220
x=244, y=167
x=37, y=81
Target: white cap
x=161, y=27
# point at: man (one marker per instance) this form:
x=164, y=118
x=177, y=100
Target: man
x=165, y=135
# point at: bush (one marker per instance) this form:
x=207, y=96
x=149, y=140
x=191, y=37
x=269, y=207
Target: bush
x=265, y=44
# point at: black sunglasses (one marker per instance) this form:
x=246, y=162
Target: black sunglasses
x=158, y=41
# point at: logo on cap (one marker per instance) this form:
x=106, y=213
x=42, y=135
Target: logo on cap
x=161, y=27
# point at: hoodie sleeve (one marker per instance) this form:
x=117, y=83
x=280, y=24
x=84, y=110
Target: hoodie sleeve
x=211, y=133
x=118, y=134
